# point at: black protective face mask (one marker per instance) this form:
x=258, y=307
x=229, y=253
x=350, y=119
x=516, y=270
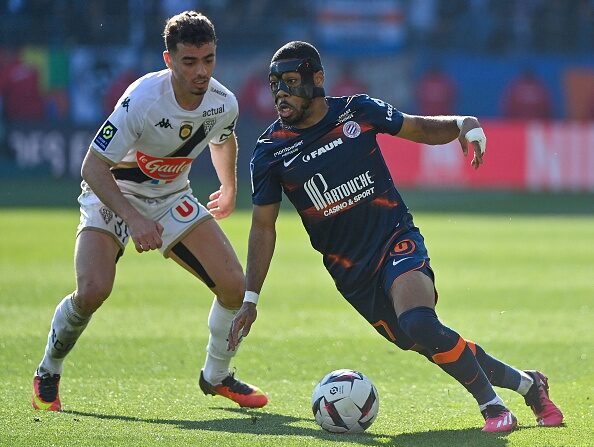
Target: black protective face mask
x=306, y=68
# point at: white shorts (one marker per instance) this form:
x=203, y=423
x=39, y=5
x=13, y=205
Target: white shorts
x=178, y=213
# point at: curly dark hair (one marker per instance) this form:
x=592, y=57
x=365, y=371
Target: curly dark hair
x=189, y=27
x=297, y=50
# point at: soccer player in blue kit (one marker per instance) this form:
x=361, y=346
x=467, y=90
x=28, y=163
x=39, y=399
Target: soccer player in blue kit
x=323, y=154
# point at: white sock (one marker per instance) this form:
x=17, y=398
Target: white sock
x=525, y=383
x=218, y=358
x=495, y=401
x=67, y=326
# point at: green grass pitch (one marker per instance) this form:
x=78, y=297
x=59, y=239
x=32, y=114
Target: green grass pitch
x=520, y=285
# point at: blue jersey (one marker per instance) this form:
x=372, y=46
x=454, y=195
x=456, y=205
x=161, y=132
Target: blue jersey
x=336, y=177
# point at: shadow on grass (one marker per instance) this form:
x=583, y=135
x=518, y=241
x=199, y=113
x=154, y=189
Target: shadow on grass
x=257, y=422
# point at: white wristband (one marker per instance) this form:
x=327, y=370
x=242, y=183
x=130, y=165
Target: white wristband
x=477, y=134
x=460, y=121
x=250, y=297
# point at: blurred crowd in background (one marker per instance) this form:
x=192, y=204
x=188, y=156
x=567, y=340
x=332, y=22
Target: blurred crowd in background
x=476, y=25
x=65, y=63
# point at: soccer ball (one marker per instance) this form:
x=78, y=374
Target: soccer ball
x=345, y=401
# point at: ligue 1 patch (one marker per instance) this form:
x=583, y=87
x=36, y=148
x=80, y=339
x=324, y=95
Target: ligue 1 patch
x=105, y=135
x=351, y=129
x=186, y=129
x=185, y=210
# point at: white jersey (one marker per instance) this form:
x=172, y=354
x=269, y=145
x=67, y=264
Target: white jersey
x=150, y=141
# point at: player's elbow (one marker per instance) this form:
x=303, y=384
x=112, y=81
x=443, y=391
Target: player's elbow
x=84, y=168
x=90, y=165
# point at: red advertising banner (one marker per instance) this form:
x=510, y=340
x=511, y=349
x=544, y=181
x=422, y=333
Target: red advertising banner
x=538, y=156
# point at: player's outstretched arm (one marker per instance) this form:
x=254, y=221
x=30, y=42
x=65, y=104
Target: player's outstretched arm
x=224, y=159
x=260, y=250
x=443, y=129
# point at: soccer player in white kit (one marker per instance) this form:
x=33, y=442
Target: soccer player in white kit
x=135, y=185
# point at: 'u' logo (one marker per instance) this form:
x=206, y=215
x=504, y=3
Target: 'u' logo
x=185, y=211
x=185, y=208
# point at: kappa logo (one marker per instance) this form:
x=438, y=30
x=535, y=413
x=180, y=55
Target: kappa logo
x=164, y=123
x=125, y=103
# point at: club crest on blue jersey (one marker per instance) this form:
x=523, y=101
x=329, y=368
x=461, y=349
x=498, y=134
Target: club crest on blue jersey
x=105, y=135
x=351, y=129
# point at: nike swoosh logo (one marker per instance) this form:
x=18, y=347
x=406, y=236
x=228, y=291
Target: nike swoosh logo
x=288, y=162
x=264, y=140
x=395, y=262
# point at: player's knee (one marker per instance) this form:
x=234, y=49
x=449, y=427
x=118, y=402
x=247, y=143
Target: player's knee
x=90, y=295
x=421, y=351
x=418, y=323
x=230, y=291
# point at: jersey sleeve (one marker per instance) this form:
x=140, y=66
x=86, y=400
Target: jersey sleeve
x=120, y=130
x=266, y=187
x=228, y=126
x=381, y=115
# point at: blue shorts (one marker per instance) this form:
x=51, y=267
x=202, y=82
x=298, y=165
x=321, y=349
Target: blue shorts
x=373, y=301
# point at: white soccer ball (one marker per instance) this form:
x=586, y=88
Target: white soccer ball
x=345, y=401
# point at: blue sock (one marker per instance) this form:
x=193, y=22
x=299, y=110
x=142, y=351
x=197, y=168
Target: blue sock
x=447, y=350
x=498, y=373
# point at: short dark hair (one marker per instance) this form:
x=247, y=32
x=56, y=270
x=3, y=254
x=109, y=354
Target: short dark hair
x=189, y=27
x=297, y=50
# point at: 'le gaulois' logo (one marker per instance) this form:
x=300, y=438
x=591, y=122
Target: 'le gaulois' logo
x=165, y=168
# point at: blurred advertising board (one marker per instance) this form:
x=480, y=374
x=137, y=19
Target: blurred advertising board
x=57, y=150
x=537, y=156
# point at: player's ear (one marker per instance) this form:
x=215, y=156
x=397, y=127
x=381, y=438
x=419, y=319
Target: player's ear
x=167, y=58
x=318, y=78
